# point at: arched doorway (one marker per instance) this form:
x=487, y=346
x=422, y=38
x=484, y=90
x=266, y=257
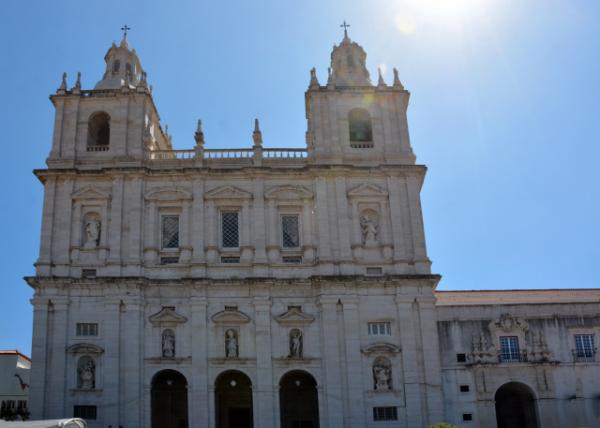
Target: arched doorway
x=515, y=406
x=298, y=400
x=169, y=400
x=233, y=400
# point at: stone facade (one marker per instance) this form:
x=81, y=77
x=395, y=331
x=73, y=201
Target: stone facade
x=243, y=280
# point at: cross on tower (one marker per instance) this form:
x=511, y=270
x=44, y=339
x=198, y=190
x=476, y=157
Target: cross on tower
x=345, y=28
x=124, y=29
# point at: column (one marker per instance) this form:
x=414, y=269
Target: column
x=322, y=213
x=135, y=221
x=343, y=224
x=39, y=343
x=110, y=386
x=185, y=248
x=307, y=235
x=211, y=232
x=246, y=247
x=132, y=367
x=354, y=368
x=63, y=211
x=385, y=235
x=272, y=245
x=56, y=387
x=418, y=232
x=197, y=222
x=43, y=262
x=258, y=224
x=398, y=238
x=263, y=391
x=115, y=229
x=151, y=235
x=199, y=394
x=76, y=229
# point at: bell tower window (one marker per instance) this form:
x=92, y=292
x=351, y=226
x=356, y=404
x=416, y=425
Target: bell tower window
x=98, y=132
x=360, y=127
x=116, y=66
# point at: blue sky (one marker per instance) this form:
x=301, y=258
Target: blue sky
x=504, y=111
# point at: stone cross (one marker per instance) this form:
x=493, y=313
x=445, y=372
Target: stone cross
x=125, y=29
x=345, y=28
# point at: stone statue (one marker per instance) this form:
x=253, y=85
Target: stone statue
x=168, y=344
x=368, y=228
x=92, y=233
x=296, y=343
x=382, y=375
x=86, y=374
x=231, y=344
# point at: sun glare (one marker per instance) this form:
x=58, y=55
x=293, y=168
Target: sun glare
x=451, y=14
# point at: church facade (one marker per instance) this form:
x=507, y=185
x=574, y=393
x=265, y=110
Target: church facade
x=276, y=287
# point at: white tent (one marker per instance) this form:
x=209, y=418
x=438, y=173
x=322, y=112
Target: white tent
x=56, y=423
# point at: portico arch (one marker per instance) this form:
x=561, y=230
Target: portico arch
x=169, y=400
x=233, y=400
x=515, y=406
x=298, y=400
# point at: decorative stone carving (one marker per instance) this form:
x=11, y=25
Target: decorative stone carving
x=289, y=193
x=296, y=343
x=227, y=192
x=167, y=317
x=367, y=191
x=84, y=348
x=381, y=348
x=168, y=194
x=168, y=344
x=369, y=227
x=86, y=373
x=90, y=194
x=294, y=316
x=507, y=324
x=538, y=352
x=482, y=351
x=231, y=343
x=382, y=374
x=92, y=233
x=230, y=316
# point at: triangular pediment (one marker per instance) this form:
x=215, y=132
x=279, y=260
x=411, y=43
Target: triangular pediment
x=168, y=194
x=367, y=190
x=84, y=348
x=167, y=316
x=381, y=348
x=227, y=192
x=289, y=193
x=89, y=193
x=294, y=316
x=230, y=316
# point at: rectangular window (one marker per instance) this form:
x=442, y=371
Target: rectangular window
x=380, y=329
x=467, y=416
x=87, y=329
x=230, y=230
x=461, y=358
x=584, y=346
x=84, y=412
x=170, y=231
x=509, y=349
x=290, y=231
x=464, y=388
x=385, y=414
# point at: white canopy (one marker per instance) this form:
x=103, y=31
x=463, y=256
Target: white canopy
x=55, y=423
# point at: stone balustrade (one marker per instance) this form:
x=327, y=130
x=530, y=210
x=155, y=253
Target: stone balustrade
x=233, y=156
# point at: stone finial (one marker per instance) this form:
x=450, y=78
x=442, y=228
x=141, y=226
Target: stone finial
x=257, y=135
x=144, y=80
x=380, y=82
x=397, y=83
x=329, y=77
x=77, y=87
x=199, y=134
x=314, y=82
x=63, y=84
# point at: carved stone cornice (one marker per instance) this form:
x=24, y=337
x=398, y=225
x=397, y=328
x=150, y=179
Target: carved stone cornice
x=230, y=316
x=167, y=317
x=84, y=348
x=294, y=316
x=382, y=348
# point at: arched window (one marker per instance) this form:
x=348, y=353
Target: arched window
x=128, y=69
x=116, y=66
x=361, y=129
x=98, y=132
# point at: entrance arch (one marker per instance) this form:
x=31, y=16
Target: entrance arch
x=233, y=400
x=515, y=406
x=298, y=400
x=169, y=400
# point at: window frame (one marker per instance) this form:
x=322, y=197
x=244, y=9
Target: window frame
x=222, y=212
x=584, y=356
x=164, y=215
x=298, y=230
x=380, y=413
x=513, y=354
x=79, y=327
x=387, y=328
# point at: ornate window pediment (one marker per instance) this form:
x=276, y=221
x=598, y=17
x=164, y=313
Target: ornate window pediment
x=294, y=316
x=230, y=316
x=89, y=193
x=227, y=192
x=167, y=316
x=381, y=348
x=289, y=193
x=367, y=190
x=168, y=194
x=84, y=348
x=507, y=324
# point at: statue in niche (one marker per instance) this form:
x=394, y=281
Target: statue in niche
x=368, y=227
x=92, y=233
x=168, y=344
x=86, y=373
x=231, y=344
x=382, y=374
x=296, y=343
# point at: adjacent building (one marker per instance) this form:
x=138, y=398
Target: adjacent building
x=14, y=385
x=276, y=287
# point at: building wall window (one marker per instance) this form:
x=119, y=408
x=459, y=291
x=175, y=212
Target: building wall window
x=361, y=129
x=84, y=412
x=509, y=349
x=170, y=231
x=385, y=413
x=230, y=229
x=86, y=329
x=584, y=346
x=379, y=329
x=290, y=231
x=98, y=138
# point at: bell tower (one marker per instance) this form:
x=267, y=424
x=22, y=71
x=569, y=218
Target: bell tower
x=350, y=120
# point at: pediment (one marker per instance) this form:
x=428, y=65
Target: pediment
x=289, y=193
x=230, y=316
x=84, y=348
x=168, y=194
x=89, y=193
x=367, y=190
x=508, y=323
x=380, y=348
x=227, y=192
x=167, y=316
x=294, y=316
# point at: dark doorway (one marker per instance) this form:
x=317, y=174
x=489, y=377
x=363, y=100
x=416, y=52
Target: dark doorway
x=298, y=400
x=233, y=400
x=169, y=400
x=515, y=406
